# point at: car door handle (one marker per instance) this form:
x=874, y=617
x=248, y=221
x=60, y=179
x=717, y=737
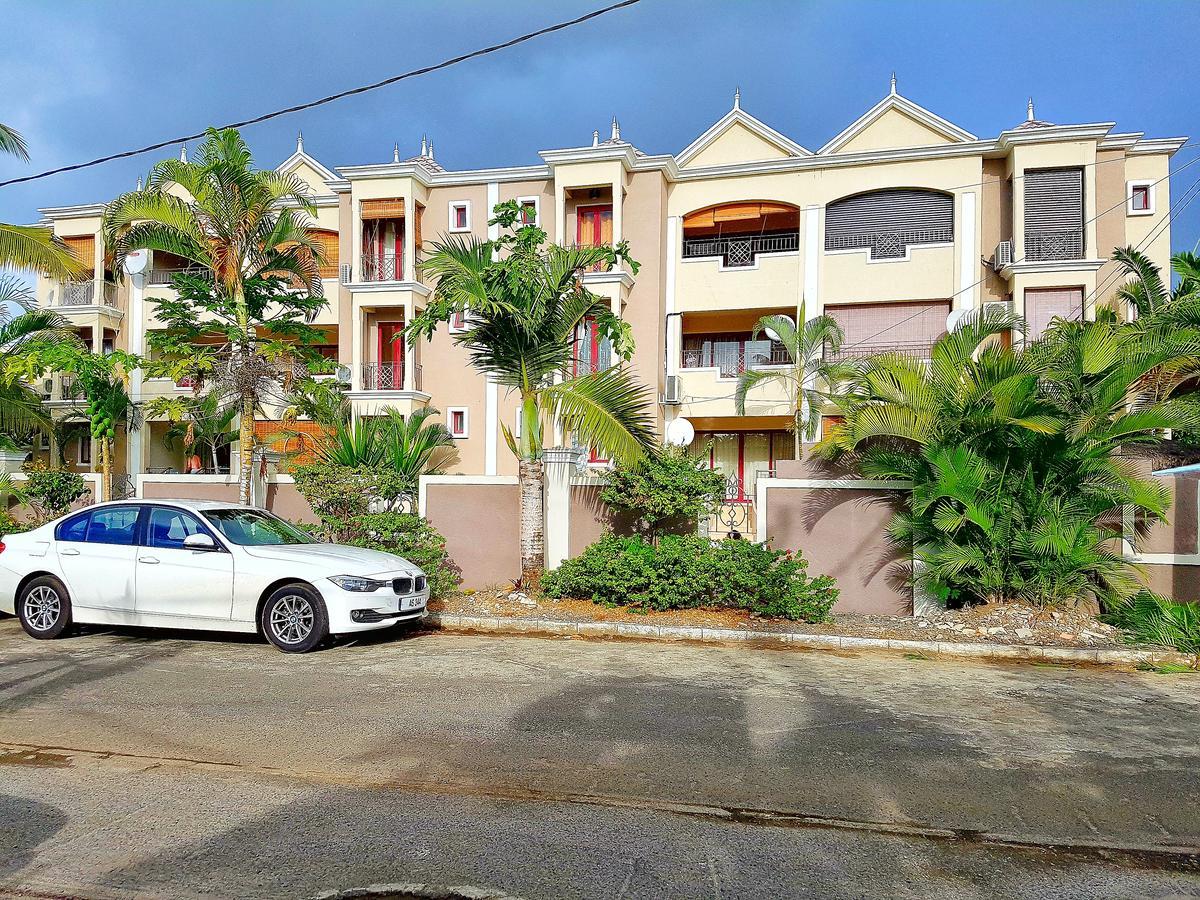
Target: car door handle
x=69, y=551
x=149, y=560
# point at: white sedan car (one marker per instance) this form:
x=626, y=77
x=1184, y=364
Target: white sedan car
x=205, y=565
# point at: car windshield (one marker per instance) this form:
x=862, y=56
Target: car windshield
x=255, y=528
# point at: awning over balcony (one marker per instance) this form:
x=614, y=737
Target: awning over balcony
x=736, y=212
x=383, y=209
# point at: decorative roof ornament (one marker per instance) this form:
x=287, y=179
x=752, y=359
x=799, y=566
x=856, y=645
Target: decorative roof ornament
x=1029, y=111
x=183, y=153
x=596, y=138
x=616, y=129
x=424, y=146
x=299, y=141
x=139, y=184
x=893, y=87
x=396, y=152
x=430, y=150
x=1031, y=120
x=737, y=97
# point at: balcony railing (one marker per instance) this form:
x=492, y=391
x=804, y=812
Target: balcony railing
x=731, y=358
x=919, y=349
x=83, y=293
x=383, y=376
x=1043, y=244
x=390, y=268
x=740, y=250
x=166, y=276
x=888, y=244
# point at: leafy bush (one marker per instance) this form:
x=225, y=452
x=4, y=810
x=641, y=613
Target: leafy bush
x=338, y=494
x=413, y=538
x=669, y=487
x=688, y=571
x=1149, y=618
x=52, y=491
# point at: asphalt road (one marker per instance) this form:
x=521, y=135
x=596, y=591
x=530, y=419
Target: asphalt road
x=134, y=764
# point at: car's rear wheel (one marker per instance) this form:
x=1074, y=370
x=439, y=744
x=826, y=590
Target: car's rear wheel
x=44, y=608
x=294, y=619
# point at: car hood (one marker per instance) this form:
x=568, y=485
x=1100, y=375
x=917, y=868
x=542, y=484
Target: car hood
x=346, y=560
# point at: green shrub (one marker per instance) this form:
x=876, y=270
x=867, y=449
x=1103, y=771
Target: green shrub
x=338, y=494
x=665, y=489
x=413, y=538
x=1149, y=618
x=688, y=571
x=50, y=492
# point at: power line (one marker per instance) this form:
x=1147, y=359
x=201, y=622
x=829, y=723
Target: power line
x=424, y=70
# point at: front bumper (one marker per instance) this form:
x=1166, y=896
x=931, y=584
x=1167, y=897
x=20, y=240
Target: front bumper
x=351, y=611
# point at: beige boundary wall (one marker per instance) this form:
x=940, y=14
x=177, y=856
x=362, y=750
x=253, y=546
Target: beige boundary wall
x=1169, y=553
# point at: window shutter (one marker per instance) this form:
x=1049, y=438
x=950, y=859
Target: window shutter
x=83, y=248
x=889, y=221
x=383, y=209
x=1054, y=199
x=1043, y=306
x=879, y=327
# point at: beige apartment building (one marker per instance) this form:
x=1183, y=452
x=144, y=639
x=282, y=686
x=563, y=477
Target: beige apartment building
x=890, y=227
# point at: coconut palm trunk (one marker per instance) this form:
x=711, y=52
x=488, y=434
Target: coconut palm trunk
x=532, y=522
x=245, y=449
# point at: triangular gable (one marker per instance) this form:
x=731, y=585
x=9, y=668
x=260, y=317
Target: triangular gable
x=739, y=137
x=308, y=170
x=895, y=122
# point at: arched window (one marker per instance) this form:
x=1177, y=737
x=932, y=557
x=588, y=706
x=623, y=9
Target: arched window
x=888, y=222
x=738, y=233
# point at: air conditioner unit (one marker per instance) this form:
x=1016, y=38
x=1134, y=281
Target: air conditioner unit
x=997, y=307
x=673, y=393
x=343, y=375
x=1003, y=255
x=344, y=270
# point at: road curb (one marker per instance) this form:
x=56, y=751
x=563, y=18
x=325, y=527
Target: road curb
x=947, y=649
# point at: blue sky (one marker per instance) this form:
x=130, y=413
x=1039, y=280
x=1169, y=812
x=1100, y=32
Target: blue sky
x=84, y=79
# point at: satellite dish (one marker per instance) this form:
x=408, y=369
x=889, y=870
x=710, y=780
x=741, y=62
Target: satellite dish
x=956, y=318
x=136, y=261
x=680, y=432
x=770, y=332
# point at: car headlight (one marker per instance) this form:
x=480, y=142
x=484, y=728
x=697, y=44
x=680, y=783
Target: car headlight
x=356, y=583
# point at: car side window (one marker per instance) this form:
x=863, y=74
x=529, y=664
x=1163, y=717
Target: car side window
x=170, y=527
x=113, y=525
x=73, y=529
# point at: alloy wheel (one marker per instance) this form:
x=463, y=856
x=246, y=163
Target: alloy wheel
x=292, y=619
x=43, y=607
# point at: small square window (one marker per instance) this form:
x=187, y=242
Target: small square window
x=530, y=210
x=458, y=322
x=456, y=421
x=460, y=215
x=1141, y=198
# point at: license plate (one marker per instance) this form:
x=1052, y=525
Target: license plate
x=413, y=602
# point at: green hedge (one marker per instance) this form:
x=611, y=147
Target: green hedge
x=689, y=572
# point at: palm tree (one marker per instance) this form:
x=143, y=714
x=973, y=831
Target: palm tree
x=805, y=346
x=526, y=307
x=205, y=424
x=235, y=224
x=31, y=247
x=21, y=336
x=1150, y=296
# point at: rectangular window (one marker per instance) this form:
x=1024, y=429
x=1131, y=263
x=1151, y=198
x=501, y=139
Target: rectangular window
x=113, y=525
x=1044, y=306
x=1141, y=198
x=1053, y=214
x=170, y=527
x=85, y=451
x=456, y=418
x=460, y=215
x=458, y=322
x=530, y=210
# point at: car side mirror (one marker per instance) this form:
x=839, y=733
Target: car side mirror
x=199, y=541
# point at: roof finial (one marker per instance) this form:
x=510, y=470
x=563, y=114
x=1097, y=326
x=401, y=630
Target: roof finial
x=139, y=184
x=737, y=97
x=431, y=149
x=183, y=153
x=616, y=129
x=1029, y=111
x=595, y=138
x=424, y=146
x=893, y=88
x=299, y=141
x=396, y=152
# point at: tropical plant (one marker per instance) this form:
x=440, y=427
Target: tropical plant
x=108, y=407
x=50, y=490
x=203, y=426
x=526, y=306
x=1019, y=484
x=1150, y=618
x=807, y=373
x=1152, y=298
x=410, y=446
x=28, y=333
x=246, y=228
x=32, y=247
x=670, y=488
x=413, y=538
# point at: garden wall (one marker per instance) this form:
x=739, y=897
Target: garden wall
x=1169, y=553
x=478, y=516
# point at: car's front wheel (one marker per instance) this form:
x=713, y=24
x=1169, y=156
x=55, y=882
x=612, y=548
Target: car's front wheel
x=44, y=608
x=294, y=619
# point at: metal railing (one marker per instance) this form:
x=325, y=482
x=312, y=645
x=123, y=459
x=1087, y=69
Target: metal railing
x=166, y=276
x=390, y=268
x=1053, y=243
x=83, y=293
x=888, y=244
x=740, y=250
x=731, y=358
x=383, y=376
x=920, y=349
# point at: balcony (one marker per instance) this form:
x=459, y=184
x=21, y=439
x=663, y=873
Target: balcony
x=918, y=349
x=737, y=251
x=731, y=357
x=888, y=244
x=390, y=268
x=383, y=376
x=166, y=276
x=1047, y=244
x=85, y=293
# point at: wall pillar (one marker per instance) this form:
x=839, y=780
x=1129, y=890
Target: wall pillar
x=261, y=475
x=560, y=464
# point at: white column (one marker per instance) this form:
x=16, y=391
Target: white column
x=968, y=254
x=135, y=459
x=812, y=261
x=560, y=463
x=674, y=324
x=618, y=198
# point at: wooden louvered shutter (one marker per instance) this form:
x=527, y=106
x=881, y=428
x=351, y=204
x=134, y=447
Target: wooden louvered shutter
x=1053, y=213
x=329, y=243
x=889, y=221
x=417, y=226
x=1043, y=306
x=910, y=327
x=383, y=209
x=83, y=248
